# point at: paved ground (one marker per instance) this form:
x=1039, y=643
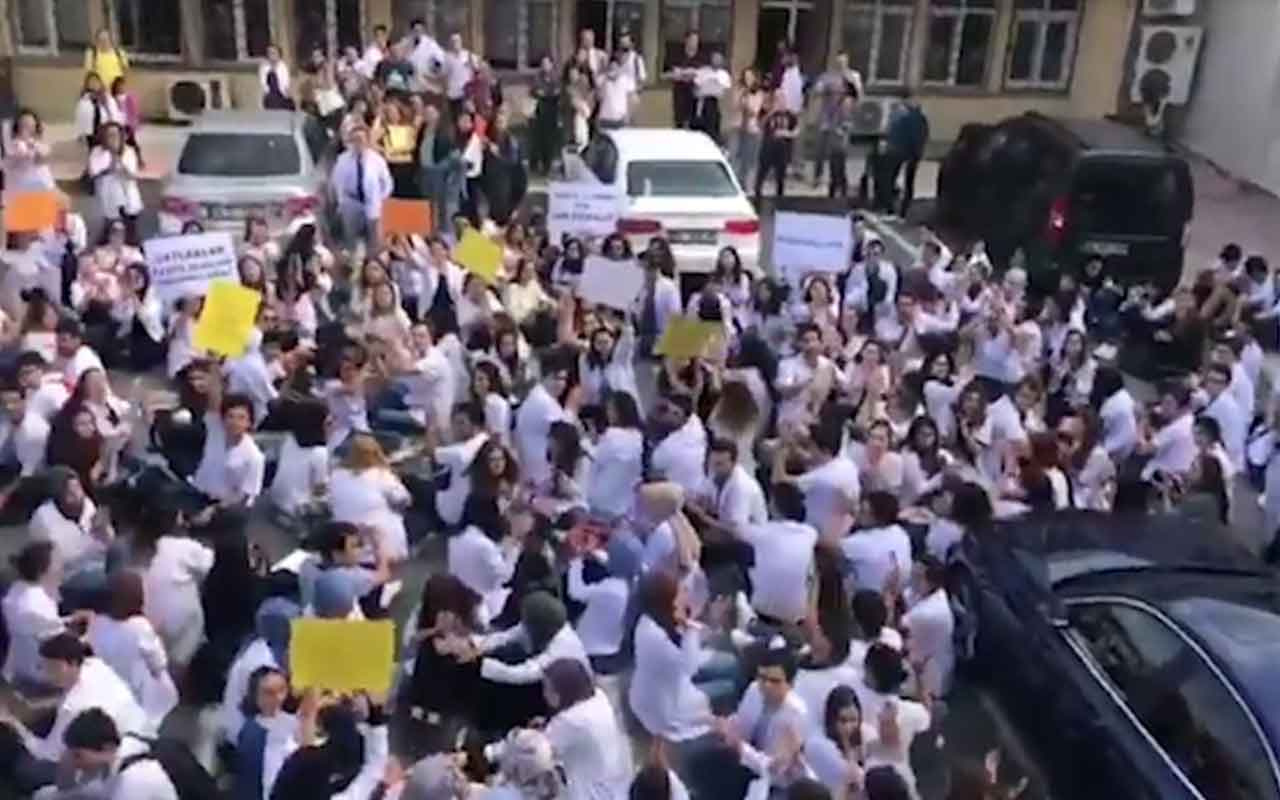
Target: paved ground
x=1226, y=210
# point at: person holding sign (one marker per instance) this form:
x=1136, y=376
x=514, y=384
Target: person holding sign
x=26, y=160
x=360, y=182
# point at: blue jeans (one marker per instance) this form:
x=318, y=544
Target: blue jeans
x=718, y=680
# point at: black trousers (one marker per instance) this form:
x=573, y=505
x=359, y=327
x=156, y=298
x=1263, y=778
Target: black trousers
x=908, y=185
x=839, y=186
x=774, y=157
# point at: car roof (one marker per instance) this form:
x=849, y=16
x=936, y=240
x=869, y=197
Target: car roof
x=1103, y=136
x=259, y=122
x=663, y=144
x=1069, y=545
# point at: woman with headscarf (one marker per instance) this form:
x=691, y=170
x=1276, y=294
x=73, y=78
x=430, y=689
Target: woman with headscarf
x=336, y=760
x=584, y=733
x=511, y=662
x=268, y=648
x=268, y=737
x=527, y=769
x=605, y=595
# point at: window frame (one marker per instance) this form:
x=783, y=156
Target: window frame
x=146, y=56
x=1043, y=17
x=55, y=46
x=879, y=11
x=243, y=56
x=523, y=16
x=1080, y=645
x=695, y=8
x=959, y=13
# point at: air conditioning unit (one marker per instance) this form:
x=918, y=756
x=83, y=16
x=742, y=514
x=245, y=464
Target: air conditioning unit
x=871, y=115
x=1168, y=8
x=188, y=97
x=1165, y=64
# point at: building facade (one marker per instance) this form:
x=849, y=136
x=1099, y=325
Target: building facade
x=966, y=59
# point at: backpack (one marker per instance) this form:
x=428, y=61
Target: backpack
x=191, y=780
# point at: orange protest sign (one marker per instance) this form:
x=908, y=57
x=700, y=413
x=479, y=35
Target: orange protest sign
x=31, y=212
x=407, y=217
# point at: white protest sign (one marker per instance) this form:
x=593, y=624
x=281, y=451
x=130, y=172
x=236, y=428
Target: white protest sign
x=181, y=266
x=581, y=209
x=615, y=284
x=804, y=243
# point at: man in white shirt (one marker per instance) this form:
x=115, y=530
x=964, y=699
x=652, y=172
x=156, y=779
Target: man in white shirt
x=805, y=379
x=613, y=94
x=469, y=435
x=430, y=381
x=24, y=434
x=594, y=58
x=881, y=552
x=633, y=68
x=375, y=52
x=459, y=69
x=249, y=375
x=360, y=182
x=782, y=575
x=1223, y=409
x=45, y=392
x=244, y=466
x=682, y=454
x=533, y=421
x=75, y=357
x=767, y=732
x=1172, y=448
x=832, y=488
x=730, y=498
x=427, y=55
x=113, y=766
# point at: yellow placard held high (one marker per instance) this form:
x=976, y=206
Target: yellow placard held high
x=479, y=254
x=342, y=655
x=227, y=320
x=688, y=337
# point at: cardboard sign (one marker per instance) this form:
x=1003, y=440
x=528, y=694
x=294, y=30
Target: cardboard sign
x=342, y=656
x=615, y=284
x=688, y=337
x=804, y=243
x=31, y=212
x=183, y=266
x=227, y=319
x=407, y=217
x=580, y=209
x=479, y=254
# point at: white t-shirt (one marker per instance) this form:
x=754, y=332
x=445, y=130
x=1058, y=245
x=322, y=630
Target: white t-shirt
x=830, y=490
x=245, y=468
x=299, y=470
x=172, y=581
x=930, y=625
x=783, y=568
x=874, y=553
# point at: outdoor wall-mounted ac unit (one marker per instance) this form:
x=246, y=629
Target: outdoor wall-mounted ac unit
x=871, y=115
x=188, y=97
x=1168, y=8
x=1166, y=64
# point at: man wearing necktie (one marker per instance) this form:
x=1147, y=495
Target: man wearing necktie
x=360, y=183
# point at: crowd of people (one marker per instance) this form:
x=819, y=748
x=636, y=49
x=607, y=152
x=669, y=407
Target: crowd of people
x=716, y=577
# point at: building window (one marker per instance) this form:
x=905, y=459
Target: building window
x=329, y=26
x=236, y=30
x=1044, y=43
x=959, y=41
x=712, y=19
x=148, y=28
x=877, y=39
x=442, y=17
x=609, y=18
x=522, y=39
x=50, y=26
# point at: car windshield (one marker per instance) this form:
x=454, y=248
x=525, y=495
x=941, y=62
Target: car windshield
x=1247, y=640
x=240, y=155
x=679, y=179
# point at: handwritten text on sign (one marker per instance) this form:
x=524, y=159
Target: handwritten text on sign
x=804, y=243
x=183, y=266
x=581, y=210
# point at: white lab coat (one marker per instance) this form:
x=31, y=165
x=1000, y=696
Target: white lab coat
x=616, y=469
x=372, y=497
x=533, y=424
x=681, y=457
x=662, y=694
x=592, y=749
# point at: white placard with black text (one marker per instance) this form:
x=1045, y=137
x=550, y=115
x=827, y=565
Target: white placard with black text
x=804, y=243
x=581, y=209
x=183, y=266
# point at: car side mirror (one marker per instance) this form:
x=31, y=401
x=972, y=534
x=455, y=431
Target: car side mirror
x=1055, y=611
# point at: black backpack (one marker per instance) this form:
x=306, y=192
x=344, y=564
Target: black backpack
x=191, y=780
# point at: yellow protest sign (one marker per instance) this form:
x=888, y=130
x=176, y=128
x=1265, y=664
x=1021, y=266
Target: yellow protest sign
x=31, y=212
x=479, y=254
x=227, y=319
x=687, y=337
x=342, y=655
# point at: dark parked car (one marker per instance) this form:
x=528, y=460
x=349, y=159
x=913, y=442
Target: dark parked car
x=1065, y=190
x=1139, y=654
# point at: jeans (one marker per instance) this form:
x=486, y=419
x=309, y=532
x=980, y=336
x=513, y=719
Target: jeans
x=718, y=679
x=827, y=140
x=746, y=155
x=839, y=186
x=357, y=228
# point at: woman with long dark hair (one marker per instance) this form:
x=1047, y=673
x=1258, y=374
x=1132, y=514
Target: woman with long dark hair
x=336, y=758
x=75, y=443
x=924, y=460
x=837, y=753
x=139, y=314
x=439, y=686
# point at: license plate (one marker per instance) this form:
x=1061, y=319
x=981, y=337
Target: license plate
x=694, y=237
x=235, y=212
x=1106, y=248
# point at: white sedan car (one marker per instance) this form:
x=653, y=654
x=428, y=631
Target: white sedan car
x=677, y=184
